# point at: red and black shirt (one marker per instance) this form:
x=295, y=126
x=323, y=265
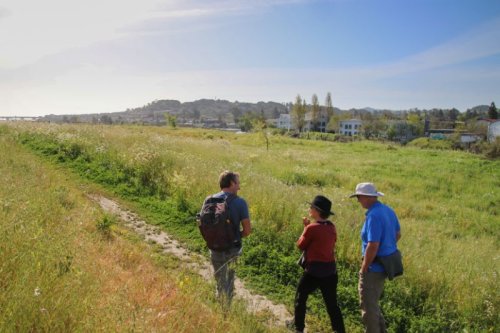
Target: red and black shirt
x=318, y=241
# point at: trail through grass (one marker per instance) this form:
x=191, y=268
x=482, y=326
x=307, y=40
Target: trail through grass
x=447, y=202
x=65, y=266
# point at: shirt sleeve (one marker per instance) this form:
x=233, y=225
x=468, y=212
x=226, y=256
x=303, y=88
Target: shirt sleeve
x=304, y=239
x=243, y=209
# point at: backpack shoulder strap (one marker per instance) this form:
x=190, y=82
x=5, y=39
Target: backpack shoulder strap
x=230, y=197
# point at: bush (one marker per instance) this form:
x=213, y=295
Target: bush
x=493, y=149
x=104, y=225
x=428, y=143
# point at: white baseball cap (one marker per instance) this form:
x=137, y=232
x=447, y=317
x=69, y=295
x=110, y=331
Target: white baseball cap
x=367, y=189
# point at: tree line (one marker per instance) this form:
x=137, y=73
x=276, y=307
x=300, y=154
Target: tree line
x=391, y=123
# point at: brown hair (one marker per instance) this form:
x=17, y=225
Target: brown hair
x=227, y=177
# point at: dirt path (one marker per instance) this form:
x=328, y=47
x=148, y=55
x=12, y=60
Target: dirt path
x=196, y=262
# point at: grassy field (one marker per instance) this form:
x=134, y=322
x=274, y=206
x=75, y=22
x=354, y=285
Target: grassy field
x=67, y=267
x=447, y=202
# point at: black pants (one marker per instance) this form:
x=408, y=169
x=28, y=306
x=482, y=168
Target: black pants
x=328, y=287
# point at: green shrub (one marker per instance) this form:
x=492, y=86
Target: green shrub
x=427, y=143
x=104, y=225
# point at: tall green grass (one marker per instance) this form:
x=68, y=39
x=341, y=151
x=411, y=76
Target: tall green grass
x=66, y=267
x=447, y=202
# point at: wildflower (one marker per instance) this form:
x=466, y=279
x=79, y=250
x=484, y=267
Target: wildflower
x=37, y=292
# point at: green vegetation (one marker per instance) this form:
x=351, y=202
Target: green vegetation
x=58, y=274
x=426, y=143
x=447, y=202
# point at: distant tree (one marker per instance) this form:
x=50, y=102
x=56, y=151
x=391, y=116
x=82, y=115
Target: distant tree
x=391, y=133
x=298, y=113
x=105, y=119
x=416, y=121
x=276, y=113
x=260, y=126
x=334, y=122
x=236, y=112
x=453, y=114
x=473, y=126
x=262, y=115
x=246, y=123
x=171, y=120
x=315, y=108
x=329, y=105
x=304, y=110
x=401, y=131
x=440, y=114
x=196, y=114
x=492, y=111
x=471, y=114
x=373, y=126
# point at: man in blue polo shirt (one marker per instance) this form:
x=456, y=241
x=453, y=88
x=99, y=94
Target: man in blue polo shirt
x=223, y=261
x=379, y=236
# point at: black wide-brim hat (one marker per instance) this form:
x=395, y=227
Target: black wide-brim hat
x=322, y=204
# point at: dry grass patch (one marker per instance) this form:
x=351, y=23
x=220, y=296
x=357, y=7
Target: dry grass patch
x=60, y=273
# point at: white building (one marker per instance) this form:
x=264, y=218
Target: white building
x=284, y=121
x=350, y=127
x=492, y=127
x=322, y=122
x=493, y=131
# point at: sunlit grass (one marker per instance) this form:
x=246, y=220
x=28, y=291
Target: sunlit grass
x=447, y=202
x=66, y=267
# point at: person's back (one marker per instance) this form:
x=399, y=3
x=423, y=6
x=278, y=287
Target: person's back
x=379, y=236
x=320, y=271
x=319, y=239
x=238, y=211
x=382, y=225
x=223, y=261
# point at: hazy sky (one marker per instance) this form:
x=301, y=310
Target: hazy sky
x=69, y=57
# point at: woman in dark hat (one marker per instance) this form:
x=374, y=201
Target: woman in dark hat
x=318, y=245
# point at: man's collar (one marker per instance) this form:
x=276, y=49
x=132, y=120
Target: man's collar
x=376, y=203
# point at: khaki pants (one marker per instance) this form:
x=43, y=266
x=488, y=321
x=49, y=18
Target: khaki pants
x=370, y=288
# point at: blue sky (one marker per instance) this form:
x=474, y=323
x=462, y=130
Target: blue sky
x=93, y=56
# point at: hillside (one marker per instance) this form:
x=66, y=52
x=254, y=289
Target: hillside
x=222, y=114
x=154, y=112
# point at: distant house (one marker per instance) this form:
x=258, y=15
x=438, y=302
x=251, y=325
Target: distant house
x=284, y=121
x=494, y=130
x=350, y=127
x=465, y=137
x=321, y=122
x=485, y=122
x=490, y=128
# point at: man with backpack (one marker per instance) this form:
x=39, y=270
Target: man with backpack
x=219, y=221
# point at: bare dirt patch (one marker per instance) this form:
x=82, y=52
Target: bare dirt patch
x=255, y=303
